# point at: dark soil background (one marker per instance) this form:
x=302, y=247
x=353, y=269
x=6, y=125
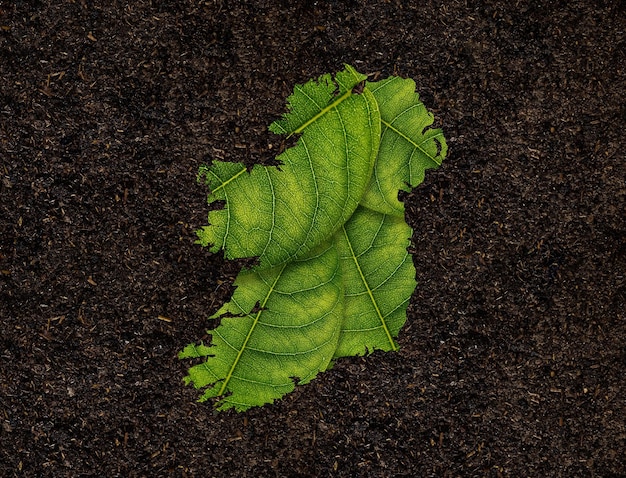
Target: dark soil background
x=513, y=359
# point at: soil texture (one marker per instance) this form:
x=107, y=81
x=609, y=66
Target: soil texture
x=513, y=358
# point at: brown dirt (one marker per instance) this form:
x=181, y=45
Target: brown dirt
x=513, y=359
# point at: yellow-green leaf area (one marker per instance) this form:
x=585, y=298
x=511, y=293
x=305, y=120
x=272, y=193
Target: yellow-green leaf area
x=281, y=326
x=316, y=98
x=379, y=278
x=408, y=145
x=280, y=213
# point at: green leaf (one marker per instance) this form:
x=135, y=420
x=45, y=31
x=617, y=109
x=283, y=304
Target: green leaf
x=408, y=147
x=378, y=277
x=280, y=213
x=257, y=352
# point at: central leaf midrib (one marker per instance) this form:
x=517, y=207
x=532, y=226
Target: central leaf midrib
x=369, y=291
x=247, y=339
x=404, y=136
x=224, y=183
x=322, y=112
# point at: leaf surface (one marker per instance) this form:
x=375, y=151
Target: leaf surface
x=408, y=145
x=257, y=352
x=280, y=213
x=334, y=277
x=378, y=277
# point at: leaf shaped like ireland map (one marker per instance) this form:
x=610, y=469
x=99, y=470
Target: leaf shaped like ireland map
x=334, y=277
